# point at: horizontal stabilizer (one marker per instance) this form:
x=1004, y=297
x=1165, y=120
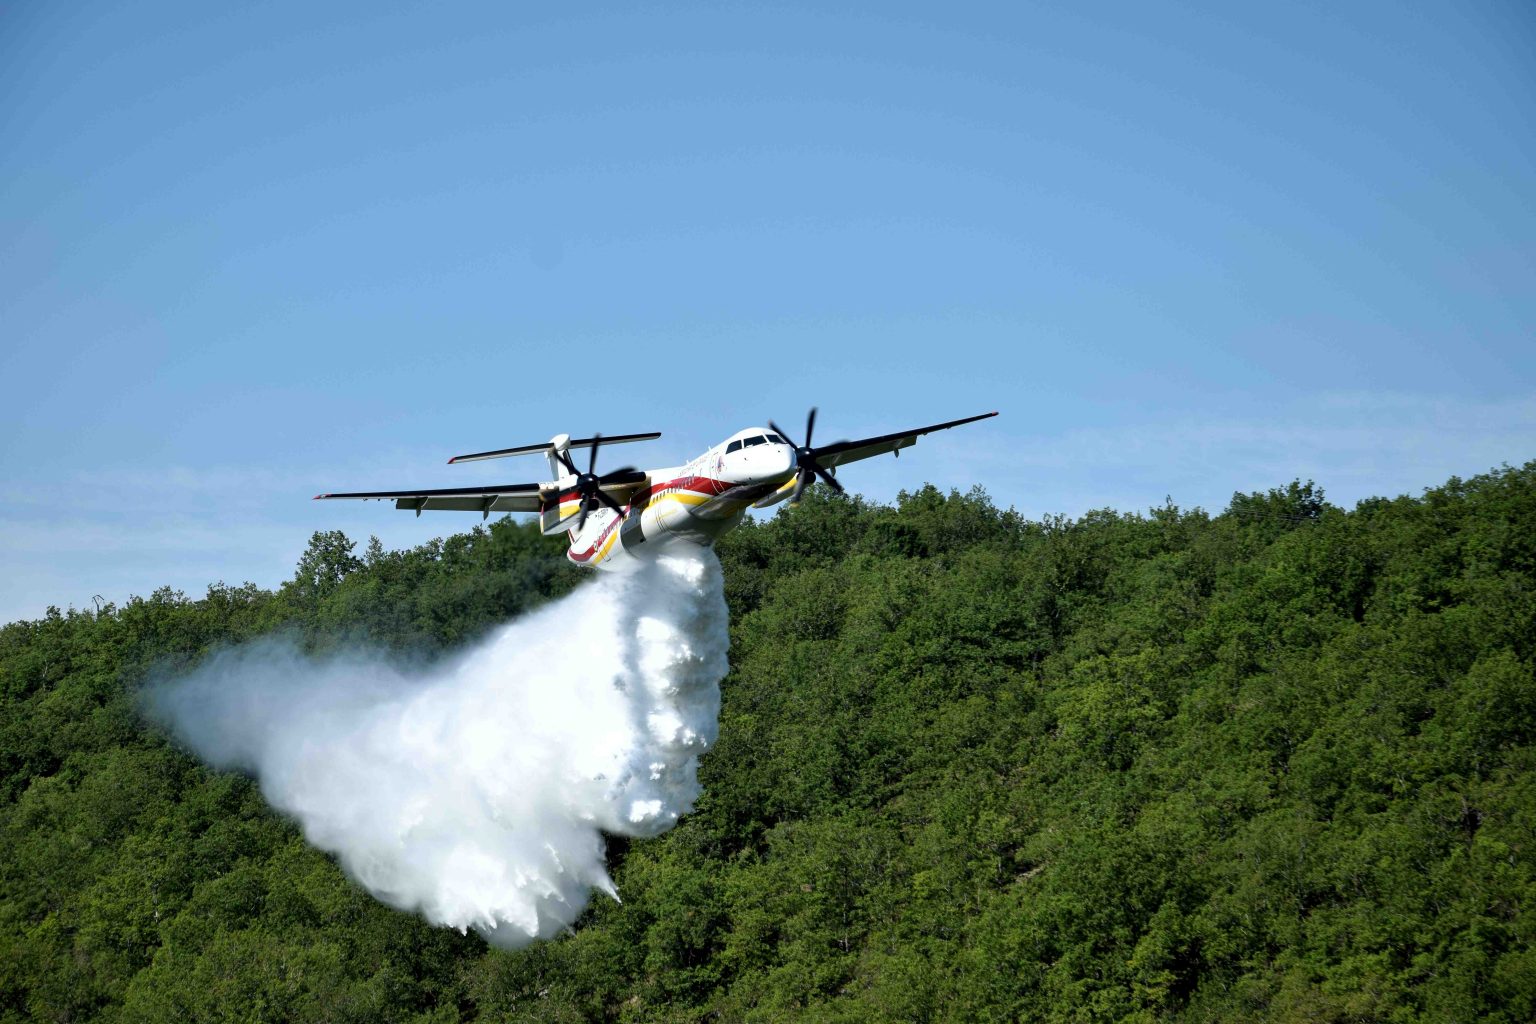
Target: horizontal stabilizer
x=529, y=449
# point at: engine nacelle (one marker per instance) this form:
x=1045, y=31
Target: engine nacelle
x=774, y=497
x=558, y=510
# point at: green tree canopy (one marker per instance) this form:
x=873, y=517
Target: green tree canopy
x=1274, y=764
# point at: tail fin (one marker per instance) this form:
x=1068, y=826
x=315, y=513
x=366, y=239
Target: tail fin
x=559, y=455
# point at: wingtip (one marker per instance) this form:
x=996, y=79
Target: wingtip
x=319, y=496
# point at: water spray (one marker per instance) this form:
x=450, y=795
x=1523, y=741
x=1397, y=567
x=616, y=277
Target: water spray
x=477, y=792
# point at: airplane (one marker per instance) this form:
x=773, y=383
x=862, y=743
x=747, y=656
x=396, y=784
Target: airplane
x=619, y=518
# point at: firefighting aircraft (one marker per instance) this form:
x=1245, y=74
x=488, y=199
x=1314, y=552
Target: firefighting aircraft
x=616, y=518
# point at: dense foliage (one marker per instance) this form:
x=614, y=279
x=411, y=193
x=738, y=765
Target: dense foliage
x=1275, y=764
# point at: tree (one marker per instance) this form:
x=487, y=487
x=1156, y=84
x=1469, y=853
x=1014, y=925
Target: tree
x=325, y=563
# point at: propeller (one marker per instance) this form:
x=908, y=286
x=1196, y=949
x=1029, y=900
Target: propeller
x=590, y=486
x=807, y=469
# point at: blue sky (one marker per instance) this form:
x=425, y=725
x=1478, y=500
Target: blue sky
x=252, y=252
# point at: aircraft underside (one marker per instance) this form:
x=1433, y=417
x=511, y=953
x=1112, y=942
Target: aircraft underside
x=694, y=511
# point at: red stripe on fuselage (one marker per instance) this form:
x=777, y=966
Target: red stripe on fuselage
x=704, y=485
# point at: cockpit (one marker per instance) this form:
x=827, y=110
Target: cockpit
x=748, y=442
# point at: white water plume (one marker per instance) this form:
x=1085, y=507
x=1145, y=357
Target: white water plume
x=477, y=792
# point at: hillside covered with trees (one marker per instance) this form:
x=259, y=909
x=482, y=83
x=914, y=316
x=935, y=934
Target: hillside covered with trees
x=1274, y=764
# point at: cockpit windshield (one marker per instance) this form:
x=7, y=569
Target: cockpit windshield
x=747, y=442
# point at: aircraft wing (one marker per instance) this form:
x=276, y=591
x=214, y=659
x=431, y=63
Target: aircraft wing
x=852, y=451
x=485, y=500
x=620, y=486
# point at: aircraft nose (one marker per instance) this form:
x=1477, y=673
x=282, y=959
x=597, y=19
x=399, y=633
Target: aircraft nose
x=768, y=462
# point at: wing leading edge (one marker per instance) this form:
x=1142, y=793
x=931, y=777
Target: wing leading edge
x=499, y=498
x=852, y=451
x=495, y=498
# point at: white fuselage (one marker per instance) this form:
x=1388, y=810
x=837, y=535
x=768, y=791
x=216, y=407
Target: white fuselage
x=692, y=504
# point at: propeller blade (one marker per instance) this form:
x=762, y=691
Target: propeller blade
x=616, y=474
x=828, y=478
x=586, y=506
x=782, y=433
x=810, y=426
x=609, y=502
x=597, y=442
x=802, y=481
x=566, y=462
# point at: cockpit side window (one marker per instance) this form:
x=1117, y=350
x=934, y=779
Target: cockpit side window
x=734, y=446
x=776, y=439
x=755, y=440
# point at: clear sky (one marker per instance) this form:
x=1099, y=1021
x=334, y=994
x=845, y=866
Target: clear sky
x=249, y=252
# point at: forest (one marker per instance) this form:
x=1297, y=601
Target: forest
x=1270, y=764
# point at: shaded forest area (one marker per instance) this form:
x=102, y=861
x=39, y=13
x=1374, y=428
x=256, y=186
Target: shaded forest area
x=1271, y=765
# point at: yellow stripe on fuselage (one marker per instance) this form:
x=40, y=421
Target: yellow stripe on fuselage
x=682, y=498
x=602, y=552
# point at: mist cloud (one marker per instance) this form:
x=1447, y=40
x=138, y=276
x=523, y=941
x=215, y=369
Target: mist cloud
x=476, y=791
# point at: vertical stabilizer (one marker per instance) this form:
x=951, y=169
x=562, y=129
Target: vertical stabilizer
x=557, y=515
x=560, y=447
